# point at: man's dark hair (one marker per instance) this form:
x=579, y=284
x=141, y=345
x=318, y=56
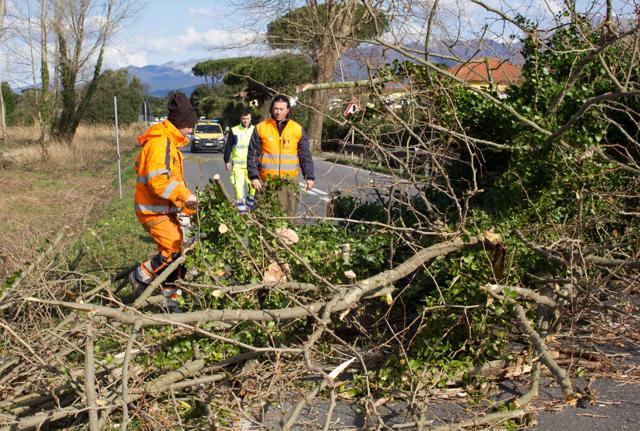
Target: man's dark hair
x=280, y=98
x=245, y=111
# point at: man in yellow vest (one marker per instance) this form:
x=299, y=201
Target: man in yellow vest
x=278, y=146
x=162, y=193
x=235, y=161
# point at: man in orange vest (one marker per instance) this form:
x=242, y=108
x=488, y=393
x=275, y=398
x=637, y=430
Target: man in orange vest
x=162, y=193
x=278, y=146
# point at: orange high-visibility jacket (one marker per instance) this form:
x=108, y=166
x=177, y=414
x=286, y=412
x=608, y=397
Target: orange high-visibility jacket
x=279, y=156
x=160, y=186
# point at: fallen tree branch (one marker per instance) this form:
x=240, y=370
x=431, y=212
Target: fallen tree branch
x=284, y=285
x=523, y=292
x=218, y=182
x=155, y=386
x=345, y=84
x=612, y=263
x=89, y=378
x=348, y=296
x=543, y=351
x=141, y=301
x=540, y=250
x=609, y=96
x=35, y=264
x=124, y=392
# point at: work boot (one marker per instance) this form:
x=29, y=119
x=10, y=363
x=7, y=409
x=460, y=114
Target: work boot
x=251, y=202
x=170, y=301
x=171, y=305
x=137, y=286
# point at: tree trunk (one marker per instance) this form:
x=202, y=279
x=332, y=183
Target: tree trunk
x=68, y=76
x=72, y=109
x=45, y=99
x=318, y=100
x=3, y=124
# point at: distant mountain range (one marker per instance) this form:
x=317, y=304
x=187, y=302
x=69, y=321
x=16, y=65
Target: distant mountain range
x=159, y=80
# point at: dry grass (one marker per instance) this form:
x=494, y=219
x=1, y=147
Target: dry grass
x=38, y=197
x=95, y=143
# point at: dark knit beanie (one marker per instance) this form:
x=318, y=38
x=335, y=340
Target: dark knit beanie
x=181, y=113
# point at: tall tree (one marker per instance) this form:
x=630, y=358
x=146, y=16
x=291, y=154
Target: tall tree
x=264, y=76
x=45, y=94
x=129, y=91
x=215, y=69
x=324, y=31
x=74, y=26
x=10, y=100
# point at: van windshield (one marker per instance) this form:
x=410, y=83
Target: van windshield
x=208, y=128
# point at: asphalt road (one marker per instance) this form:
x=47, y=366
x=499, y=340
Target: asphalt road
x=330, y=177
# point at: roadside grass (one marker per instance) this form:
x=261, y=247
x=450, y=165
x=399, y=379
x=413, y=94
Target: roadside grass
x=74, y=187
x=116, y=240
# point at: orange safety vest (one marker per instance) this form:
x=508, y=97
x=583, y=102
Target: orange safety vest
x=160, y=185
x=279, y=157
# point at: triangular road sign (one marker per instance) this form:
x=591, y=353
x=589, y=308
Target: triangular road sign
x=352, y=108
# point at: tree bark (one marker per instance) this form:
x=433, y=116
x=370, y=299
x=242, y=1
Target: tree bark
x=318, y=100
x=341, y=28
x=45, y=99
x=3, y=124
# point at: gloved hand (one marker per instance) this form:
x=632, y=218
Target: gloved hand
x=187, y=212
x=184, y=220
x=191, y=202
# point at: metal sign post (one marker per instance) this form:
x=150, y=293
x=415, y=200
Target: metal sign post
x=115, y=110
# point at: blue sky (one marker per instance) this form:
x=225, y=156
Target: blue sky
x=179, y=30
x=159, y=31
x=165, y=31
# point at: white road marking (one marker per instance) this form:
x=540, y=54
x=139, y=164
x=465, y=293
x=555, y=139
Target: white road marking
x=322, y=192
x=314, y=191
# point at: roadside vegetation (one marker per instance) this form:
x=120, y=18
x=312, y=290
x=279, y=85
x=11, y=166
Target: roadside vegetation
x=72, y=188
x=506, y=250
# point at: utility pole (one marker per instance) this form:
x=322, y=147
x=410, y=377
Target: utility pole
x=115, y=111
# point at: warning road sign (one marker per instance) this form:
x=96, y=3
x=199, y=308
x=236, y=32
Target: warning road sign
x=352, y=108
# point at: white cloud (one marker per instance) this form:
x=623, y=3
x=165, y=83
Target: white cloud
x=195, y=44
x=215, y=38
x=201, y=12
x=190, y=44
x=117, y=56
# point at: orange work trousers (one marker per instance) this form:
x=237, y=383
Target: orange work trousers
x=166, y=232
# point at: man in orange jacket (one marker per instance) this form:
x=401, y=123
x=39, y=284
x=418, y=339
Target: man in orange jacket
x=278, y=146
x=162, y=193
